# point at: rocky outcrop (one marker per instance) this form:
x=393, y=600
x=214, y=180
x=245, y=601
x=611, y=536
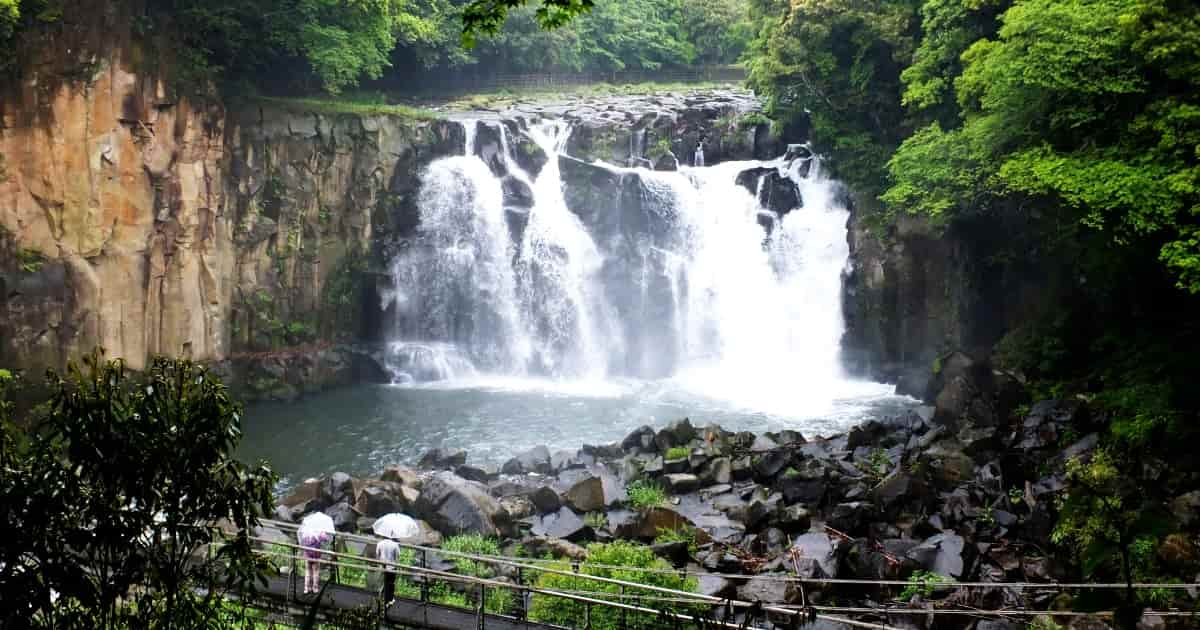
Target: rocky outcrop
x=917, y=291
x=251, y=235
x=654, y=130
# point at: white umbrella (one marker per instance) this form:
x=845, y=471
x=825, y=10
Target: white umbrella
x=396, y=525
x=315, y=524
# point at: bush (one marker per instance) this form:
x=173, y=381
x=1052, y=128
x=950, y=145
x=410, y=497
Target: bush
x=498, y=600
x=644, y=494
x=620, y=554
x=677, y=452
x=682, y=534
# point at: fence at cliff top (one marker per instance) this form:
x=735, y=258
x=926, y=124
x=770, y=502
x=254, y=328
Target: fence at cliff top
x=460, y=82
x=639, y=599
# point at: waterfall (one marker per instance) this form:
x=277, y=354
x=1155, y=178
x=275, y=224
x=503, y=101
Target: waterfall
x=696, y=276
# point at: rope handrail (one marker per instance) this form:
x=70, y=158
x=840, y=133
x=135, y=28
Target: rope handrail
x=780, y=578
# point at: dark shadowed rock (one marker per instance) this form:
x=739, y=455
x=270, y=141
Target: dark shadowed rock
x=536, y=459
x=339, y=487
x=675, y=552
x=718, y=470
x=344, y=517
x=473, y=473
x=642, y=438
x=564, y=524
x=545, y=499
x=795, y=518
x=678, y=433
x=666, y=162
x=443, y=459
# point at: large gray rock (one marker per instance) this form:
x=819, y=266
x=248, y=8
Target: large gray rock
x=454, y=505
x=545, y=499
x=345, y=519
x=564, y=524
x=941, y=554
x=443, y=459
x=535, y=460
x=817, y=550
x=682, y=483
x=767, y=590
x=586, y=495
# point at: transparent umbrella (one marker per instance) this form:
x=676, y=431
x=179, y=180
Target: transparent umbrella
x=397, y=526
x=314, y=526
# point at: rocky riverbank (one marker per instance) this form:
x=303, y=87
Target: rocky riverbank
x=964, y=488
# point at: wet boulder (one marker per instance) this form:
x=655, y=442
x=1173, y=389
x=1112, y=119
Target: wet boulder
x=454, y=505
x=678, y=433
x=640, y=439
x=345, y=519
x=534, y=460
x=769, y=589
x=564, y=524
x=517, y=192
x=941, y=554
x=545, y=499
x=443, y=459
x=817, y=554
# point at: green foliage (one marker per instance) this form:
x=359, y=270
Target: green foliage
x=596, y=520
x=677, y=452
x=683, y=534
x=600, y=556
x=111, y=490
x=498, y=600
x=924, y=583
x=645, y=494
x=29, y=261
x=836, y=66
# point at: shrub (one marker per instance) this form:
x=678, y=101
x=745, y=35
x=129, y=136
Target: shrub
x=924, y=583
x=677, y=452
x=645, y=494
x=682, y=534
x=498, y=600
x=618, y=554
x=595, y=520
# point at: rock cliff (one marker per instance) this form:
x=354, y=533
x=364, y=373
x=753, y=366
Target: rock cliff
x=243, y=234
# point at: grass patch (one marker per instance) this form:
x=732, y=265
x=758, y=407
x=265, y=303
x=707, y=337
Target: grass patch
x=645, y=494
x=677, y=452
x=361, y=104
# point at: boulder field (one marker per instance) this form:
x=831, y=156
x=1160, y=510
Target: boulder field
x=945, y=489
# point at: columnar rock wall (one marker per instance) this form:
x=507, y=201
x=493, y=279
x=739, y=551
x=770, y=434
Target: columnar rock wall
x=244, y=234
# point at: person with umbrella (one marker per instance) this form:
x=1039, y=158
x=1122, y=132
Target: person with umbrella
x=315, y=530
x=392, y=527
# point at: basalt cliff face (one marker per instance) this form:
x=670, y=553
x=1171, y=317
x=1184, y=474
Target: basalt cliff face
x=242, y=234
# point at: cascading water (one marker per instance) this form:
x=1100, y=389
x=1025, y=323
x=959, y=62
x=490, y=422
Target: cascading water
x=570, y=303
x=667, y=277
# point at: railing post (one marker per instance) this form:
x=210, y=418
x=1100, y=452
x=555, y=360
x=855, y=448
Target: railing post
x=587, y=616
x=424, y=577
x=292, y=578
x=521, y=609
x=479, y=605
x=623, y=610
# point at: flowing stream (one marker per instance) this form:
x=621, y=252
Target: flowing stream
x=577, y=303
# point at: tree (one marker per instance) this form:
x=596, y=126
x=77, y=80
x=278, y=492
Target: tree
x=837, y=64
x=119, y=484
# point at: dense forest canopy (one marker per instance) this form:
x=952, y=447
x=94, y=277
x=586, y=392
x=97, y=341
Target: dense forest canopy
x=333, y=45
